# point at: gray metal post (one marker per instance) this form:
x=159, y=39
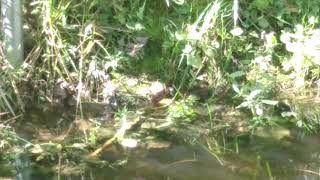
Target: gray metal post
x=11, y=11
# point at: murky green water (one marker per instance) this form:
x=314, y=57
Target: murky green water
x=269, y=154
x=256, y=158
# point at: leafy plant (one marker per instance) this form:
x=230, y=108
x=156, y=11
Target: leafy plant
x=122, y=113
x=304, y=45
x=183, y=111
x=255, y=100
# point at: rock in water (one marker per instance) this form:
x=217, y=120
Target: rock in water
x=157, y=92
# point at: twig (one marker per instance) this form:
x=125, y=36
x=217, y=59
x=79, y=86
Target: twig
x=181, y=162
x=118, y=136
x=309, y=171
x=12, y=119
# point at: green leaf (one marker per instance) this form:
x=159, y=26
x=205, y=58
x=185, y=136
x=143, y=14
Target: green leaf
x=244, y=104
x=299, y=123
x=263, y=23
x=262, y=4
x=179, y=2
x=135, y=27
x=236, y=89
x=253, y=94
x=258, y=110
x=194, y=61
x=270, y=102
x=140, y=13
x=237, y=74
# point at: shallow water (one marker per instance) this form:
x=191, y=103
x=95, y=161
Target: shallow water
x=260, y=156
x=255, y=159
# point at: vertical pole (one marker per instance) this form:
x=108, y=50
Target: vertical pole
x=11, y=12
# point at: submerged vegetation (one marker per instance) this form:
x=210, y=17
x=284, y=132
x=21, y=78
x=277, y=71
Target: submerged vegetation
x=100, y=75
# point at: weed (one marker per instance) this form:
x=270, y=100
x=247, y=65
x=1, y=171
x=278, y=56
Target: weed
x=183, y=111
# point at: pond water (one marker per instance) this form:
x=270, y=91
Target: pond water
x=249, y=158
x=277, y=153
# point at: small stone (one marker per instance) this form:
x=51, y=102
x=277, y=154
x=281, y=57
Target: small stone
x=148, y=125
x=158, y=145
x=158, y=92
x=129, y=143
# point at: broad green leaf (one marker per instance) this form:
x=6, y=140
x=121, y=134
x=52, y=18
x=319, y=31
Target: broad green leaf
x=179, y=2
x=236, y=31
x=259, y=110
x=300, y=123
x=262, y=4
x=244, y=104
x=140, y=13
x=263, y=23
x=194, y=61
x=237, y=74
x=187, y=49
x=253, y=94
x=236, y=89
x=135, y=27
